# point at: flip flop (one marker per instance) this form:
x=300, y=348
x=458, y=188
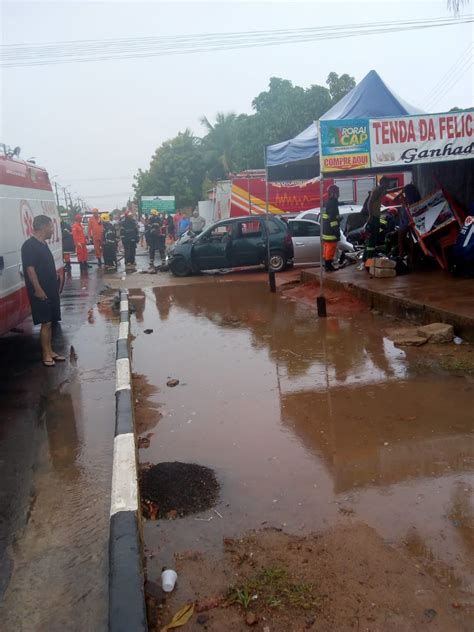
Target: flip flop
x=49, y=363
x=58, y=358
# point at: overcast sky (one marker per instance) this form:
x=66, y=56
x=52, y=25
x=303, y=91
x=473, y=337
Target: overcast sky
x=95, y=124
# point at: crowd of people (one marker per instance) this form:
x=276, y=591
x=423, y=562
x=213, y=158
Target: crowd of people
x=111, y=236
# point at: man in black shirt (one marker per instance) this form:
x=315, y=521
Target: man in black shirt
x=42, y=284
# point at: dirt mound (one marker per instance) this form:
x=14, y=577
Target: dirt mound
x=173, y=490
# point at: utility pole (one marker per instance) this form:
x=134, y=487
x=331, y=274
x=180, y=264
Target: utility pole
x=57, y=195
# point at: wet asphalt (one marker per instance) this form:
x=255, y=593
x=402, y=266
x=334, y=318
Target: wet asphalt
x=56, y=440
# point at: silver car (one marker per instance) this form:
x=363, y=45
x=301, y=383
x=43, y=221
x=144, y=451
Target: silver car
x=305, y=232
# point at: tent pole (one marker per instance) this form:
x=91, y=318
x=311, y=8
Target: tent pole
x=248, y=187
x=271, y=273
x=321, y=299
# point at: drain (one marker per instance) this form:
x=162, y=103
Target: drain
x=174, y=490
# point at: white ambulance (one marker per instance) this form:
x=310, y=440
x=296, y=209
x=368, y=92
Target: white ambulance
x=25, y=191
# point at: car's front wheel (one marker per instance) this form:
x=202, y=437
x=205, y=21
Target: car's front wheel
x=180, y=267
x=277, y=261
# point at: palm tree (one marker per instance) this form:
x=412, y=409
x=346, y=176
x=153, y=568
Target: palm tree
x=220, y=139
x=455, y=5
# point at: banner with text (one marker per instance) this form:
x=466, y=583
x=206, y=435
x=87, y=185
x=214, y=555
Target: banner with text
x=162, y=203
x=345, y=145
x=396, y=141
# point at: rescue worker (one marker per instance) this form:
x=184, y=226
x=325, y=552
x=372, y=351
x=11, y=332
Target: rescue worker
x=95, y=232
x=331, y=230
x=388, y=230
x=68, y=244
x=80, y=242
x=109, y=242
x=373, y=225
x=156, y=238
x=129, y=236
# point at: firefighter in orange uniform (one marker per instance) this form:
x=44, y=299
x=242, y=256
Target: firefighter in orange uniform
x=331, y=231
x=95, y=231
x=80, y=242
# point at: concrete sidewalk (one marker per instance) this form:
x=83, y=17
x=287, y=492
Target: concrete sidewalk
x=423, y=297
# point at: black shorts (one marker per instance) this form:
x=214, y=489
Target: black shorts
x=48, y=311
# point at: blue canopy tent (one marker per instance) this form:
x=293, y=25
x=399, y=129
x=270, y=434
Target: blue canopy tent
x=298, y=158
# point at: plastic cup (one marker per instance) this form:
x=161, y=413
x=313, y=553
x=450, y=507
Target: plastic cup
x=168, y=579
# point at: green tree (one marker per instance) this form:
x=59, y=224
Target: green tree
x=177, y=168
x=281, y=112
x=219, y=143
x=339, y=86
x=185, y=165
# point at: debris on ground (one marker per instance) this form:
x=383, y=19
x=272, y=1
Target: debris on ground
x=437, y=332
x=148, y=331
x=407, y=337
x=208, y=604
x=171, y=383
x=180, y=618
x=168, y=579
x=150, y=509
x=251, y=618
x=143, y=442
x=341, y=579
x=184, y=488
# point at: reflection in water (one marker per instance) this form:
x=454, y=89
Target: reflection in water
x=371, y=437
x=137, y=302
x=63, y=440
x=294, y=338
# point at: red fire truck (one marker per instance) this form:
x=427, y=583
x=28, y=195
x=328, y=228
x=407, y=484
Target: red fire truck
x=25, y=191
x=244, y=193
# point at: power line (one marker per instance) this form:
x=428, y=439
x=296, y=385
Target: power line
x=455, y=72
x=18, y=55
x=454, y=79
x=466, y=54
x=87, y=44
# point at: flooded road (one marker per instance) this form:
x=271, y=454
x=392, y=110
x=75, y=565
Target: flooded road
x=56, y=439
x=308, y=424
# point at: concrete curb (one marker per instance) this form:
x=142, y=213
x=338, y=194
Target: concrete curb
x=400, y=307
x=126, y=593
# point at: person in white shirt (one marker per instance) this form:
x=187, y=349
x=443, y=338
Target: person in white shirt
x=197, y=222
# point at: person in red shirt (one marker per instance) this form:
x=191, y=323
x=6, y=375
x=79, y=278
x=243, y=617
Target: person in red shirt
x=80, y=242
x=95, y=231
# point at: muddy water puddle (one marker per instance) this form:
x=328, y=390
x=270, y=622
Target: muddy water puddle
x=308, y=424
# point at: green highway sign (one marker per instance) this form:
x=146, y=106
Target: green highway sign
x=162, y=203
